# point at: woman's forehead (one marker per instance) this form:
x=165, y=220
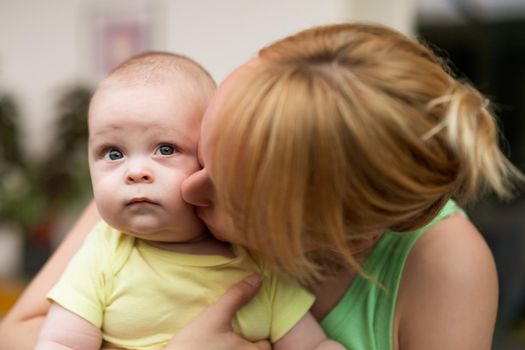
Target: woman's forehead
x=217, y=101
x=210, y=119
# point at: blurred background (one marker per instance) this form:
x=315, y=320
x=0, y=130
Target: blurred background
x=52, y=54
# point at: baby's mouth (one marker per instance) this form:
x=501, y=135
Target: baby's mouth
x=141, y=200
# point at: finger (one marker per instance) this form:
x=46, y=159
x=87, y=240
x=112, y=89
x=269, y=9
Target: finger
x=238, y=295
x=263, y=345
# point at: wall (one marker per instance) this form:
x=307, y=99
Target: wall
x=46, y=46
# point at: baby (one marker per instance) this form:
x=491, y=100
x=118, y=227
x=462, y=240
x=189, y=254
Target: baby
x=151, y=266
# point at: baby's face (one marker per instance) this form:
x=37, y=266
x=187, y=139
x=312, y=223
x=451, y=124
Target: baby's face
x=142, y=145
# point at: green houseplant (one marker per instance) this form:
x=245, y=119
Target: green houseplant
x=20, y=199
x=34, y=194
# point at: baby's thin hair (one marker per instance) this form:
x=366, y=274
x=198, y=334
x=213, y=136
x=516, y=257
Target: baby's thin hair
x=159, y=66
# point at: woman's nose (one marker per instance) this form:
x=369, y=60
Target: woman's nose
x=197, y=189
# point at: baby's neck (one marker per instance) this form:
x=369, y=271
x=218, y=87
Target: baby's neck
x=202, y=245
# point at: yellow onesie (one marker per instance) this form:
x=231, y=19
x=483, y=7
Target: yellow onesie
x=140, y=295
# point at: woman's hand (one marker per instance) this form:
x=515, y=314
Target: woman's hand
x=212, y=329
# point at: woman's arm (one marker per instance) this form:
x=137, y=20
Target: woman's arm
x=449, y=291
x=21, y=326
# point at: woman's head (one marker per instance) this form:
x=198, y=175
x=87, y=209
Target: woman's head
x=342, y=130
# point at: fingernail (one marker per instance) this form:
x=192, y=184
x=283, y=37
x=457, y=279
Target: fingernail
x=254, y=280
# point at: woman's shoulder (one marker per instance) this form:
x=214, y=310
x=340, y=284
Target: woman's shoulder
x=448, y=247
x=448, y=292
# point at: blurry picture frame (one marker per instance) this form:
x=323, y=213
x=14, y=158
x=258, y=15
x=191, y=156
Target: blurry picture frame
x=120, y=31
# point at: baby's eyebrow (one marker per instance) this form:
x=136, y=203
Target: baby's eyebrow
x=106, y=129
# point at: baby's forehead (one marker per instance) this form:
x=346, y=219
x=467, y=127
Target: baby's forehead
x=143, y=104
x=113, y=88
x=180, y=84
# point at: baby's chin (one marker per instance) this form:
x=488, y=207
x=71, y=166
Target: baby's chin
x=138, y=228
x=154, y=228
x=159, y=234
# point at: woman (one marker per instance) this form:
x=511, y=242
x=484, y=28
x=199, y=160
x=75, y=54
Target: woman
x=334, y=156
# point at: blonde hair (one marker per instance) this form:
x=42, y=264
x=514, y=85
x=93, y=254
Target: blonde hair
x=341, y=130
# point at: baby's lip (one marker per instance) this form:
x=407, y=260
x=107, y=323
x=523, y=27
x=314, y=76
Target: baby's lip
x=141, y=200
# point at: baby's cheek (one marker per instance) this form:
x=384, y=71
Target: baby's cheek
x=101, y=190
x=109, y=212
x=106, y=197
x=191, y=165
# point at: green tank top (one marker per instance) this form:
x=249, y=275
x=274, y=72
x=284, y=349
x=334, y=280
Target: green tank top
x=363, y=318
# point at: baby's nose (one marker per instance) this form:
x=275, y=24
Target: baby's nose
x=139, y=174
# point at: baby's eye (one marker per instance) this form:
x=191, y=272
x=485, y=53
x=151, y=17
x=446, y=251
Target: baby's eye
x=166, y=150
x=113, y=154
